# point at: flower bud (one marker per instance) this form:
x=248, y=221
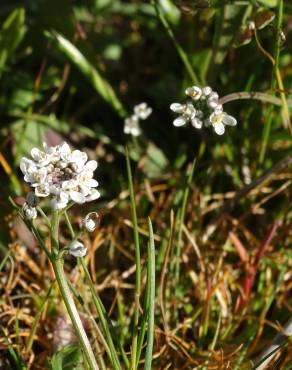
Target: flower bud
x=77, y=249
x=90, y=221
x=29, y=212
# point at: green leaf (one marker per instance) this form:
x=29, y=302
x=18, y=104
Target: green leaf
x=12, y=33
x=155, y=163
x=90, y=72
x=67, y=358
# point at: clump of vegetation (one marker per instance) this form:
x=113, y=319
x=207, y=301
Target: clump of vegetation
x=175, y=252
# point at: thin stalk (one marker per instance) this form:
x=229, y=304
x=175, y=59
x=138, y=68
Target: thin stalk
x=267, y=127
x=30, y=339
x=100, y=310
x=183, y=55
x=213, y=344
x=151, y=308
x=57, y=264
x=181, y=223
x=253, y=95
x=98, y=305
x=137, y=263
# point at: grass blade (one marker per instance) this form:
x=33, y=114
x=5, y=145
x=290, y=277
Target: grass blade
x=103, y=88
x=151, y=290
x=138, y=265
x=30, y=339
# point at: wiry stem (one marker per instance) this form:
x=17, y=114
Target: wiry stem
x=57, y=264
x=266, y=98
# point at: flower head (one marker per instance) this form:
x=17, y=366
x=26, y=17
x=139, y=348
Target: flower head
x=131, y=124
x=77, y=249
x=59, y=172
x=202, y=109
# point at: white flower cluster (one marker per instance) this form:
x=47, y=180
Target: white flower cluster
x=202, y=109
x=141, y=112
x=59, y=172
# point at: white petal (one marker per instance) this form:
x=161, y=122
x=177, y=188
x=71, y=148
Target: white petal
x=219, y=128
x=177, y=107
x=214, y=96
x=229, y=120
x=213, y=104
x=27, y=165
x=180, y=121
x=77, y=197
x=127, y=130
x=135, y=131
x=65, y=152
x=69, y=184
x=92, y=183
x=84, y=189
x=94, y=194
x=37, y=154
x=207, y=90
x=64, y=197
x=197, y=123
x=91, y=165
x=79, y=157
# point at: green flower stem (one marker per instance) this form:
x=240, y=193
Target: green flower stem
x=57, y=264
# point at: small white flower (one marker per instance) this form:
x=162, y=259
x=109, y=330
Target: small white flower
x=187, y=111
x=29, y=212
x=77, y=249
x=213, y=100
x=219, y=120
x=194, y=92
x=131, y=126
x=206, y=90
x=142, y=111
x=90, y=221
